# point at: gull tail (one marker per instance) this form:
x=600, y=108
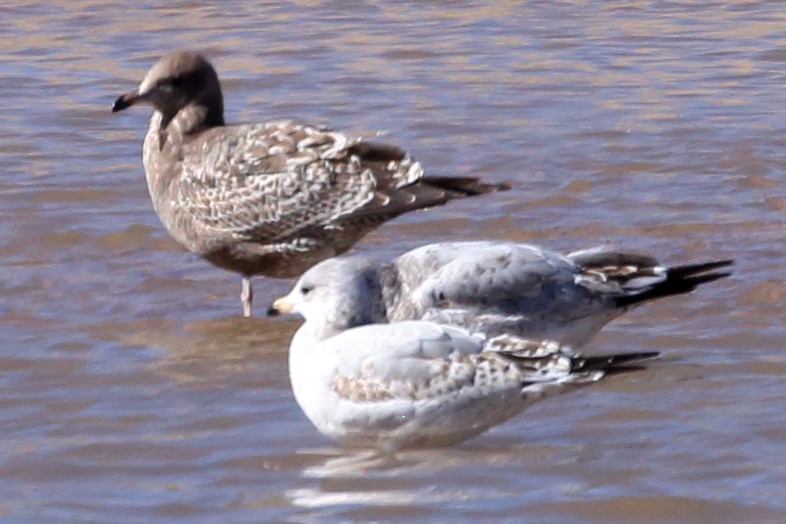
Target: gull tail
x=454, y=186
x=678, y=280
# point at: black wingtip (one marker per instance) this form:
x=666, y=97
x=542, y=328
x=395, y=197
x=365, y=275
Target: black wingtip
x=617, y=362
x=374, y=152
x=679, y=281
x=693, y=269
x=465, y=186
x=710, y=277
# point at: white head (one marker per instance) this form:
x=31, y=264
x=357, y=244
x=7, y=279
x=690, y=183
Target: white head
x=335, y=295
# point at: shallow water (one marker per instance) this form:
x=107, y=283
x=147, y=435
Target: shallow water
x=132, y=391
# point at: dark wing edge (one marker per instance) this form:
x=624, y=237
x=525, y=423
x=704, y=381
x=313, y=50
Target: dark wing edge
x=537, y=356
x=616, y=363
x=631, y=279
x=402, y=187
x=679, y=280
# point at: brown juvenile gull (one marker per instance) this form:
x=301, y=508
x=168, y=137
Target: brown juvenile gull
x=271, y=198
x=499, y=288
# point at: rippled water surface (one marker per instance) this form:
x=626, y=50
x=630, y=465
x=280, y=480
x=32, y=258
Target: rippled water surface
x=132, y=391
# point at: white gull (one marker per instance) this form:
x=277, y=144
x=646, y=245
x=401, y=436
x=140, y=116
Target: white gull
x=417, y=383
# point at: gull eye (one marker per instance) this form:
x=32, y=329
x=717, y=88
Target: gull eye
x=170, y=84
x=306, y=290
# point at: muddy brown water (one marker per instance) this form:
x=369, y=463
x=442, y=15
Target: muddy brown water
x=132, y=391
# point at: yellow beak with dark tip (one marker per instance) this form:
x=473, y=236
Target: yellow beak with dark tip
x=279, y=306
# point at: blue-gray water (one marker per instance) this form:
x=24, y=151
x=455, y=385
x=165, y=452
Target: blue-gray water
x=132, y=391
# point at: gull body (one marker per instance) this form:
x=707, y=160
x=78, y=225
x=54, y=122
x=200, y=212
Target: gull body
x=418, y=383
x=504, y=288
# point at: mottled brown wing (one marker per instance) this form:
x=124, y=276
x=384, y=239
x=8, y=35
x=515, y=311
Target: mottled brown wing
x=415, y=361
x=268, y=182
x=388, y=361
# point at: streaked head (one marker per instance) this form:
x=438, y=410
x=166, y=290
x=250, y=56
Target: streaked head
x=175, y=81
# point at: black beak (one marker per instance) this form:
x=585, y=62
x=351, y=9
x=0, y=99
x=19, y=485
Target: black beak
x=273, y=312
x=125, y=101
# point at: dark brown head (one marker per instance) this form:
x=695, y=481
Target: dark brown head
x=177, y=80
